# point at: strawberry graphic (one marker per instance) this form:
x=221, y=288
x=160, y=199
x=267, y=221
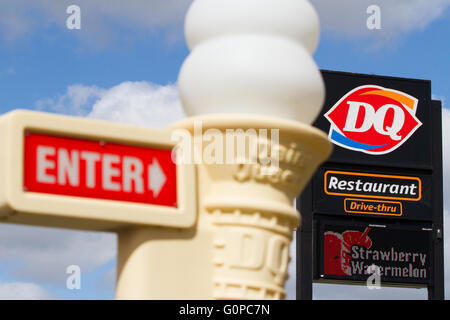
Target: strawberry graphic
x=337, y=247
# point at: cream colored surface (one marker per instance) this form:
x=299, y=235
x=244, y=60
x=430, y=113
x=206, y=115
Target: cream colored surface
x=19, y=206
x=250, y=68
x=239, y=249
x=236, y=249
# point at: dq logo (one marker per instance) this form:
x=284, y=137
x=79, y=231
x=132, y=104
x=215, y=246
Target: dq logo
x=373, y=119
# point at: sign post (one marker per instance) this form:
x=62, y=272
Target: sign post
x=436, y=290
x=378, y=199
x=239, y=247
x=213, y=226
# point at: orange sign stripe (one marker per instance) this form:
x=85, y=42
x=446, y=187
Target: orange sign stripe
x=393, y=95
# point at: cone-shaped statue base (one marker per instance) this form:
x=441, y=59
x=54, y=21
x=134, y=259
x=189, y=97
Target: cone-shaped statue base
x=239, y=247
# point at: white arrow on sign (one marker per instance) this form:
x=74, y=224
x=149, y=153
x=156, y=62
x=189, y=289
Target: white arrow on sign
x=156, y=177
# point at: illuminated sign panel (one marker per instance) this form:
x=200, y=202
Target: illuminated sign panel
x=99, y=170
x=378, y=199
x=371, y=193
x=349, y=251
x=373, y=119
x=93, y=175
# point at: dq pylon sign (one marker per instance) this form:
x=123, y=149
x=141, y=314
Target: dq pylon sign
x=84, y=174
x=376, y=204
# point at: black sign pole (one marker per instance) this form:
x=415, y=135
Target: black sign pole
x=436, y=291
x=305, y=246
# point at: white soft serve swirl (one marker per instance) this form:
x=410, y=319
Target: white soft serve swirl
x=252, y=57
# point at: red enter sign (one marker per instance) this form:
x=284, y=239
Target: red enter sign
x=92, y=169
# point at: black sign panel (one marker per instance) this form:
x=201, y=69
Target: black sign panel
x=340, y=191
x=375, y=120
x=349, y=250
x=385, y=170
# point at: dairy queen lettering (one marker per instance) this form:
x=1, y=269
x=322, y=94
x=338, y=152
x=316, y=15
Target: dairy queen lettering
x=377, y=201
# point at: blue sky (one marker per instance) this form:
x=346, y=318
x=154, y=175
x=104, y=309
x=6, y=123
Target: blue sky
x=50, y=58
x=421, y=54
x=134, y=54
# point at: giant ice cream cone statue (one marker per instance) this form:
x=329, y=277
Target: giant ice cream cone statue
x=250, y=80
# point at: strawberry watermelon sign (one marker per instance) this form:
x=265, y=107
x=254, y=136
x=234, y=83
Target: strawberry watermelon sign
x=350, y=251
x=373, y=119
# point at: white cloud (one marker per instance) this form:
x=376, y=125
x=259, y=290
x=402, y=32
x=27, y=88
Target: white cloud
x=139, y=103
x=77, y=101
x=101, y=20
x=104, y=21
x=135, y=103
x=43, y=254
x=23, y=291
x=13, y=23
x=349, y=17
